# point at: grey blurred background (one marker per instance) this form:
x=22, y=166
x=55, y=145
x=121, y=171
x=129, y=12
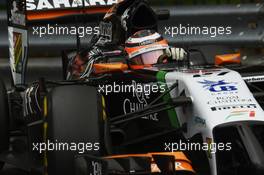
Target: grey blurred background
x=44, y=53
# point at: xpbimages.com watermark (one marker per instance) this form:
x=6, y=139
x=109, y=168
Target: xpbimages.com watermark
x=56, y=29
x=80, y=147
x=210, y=31
x=190, y=146
x=134, y=87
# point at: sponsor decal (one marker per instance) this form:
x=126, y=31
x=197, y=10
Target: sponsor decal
x=218, y=86
x=254, y=79
x=252, y=114
x=238, y=106
x=17, y=39
x=124, y=18
x=240, y=113
x=17, y=53
x=178, y=167
x=228, y=100
x=138, y=102
x=58, y=4
x=95, y=166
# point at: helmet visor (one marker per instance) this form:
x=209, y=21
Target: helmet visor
x=148, y=57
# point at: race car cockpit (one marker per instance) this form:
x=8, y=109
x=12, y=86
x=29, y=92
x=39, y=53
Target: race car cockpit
x=120, y=24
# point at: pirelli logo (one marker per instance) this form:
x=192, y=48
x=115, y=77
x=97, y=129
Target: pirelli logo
x=33, y=5
x=239, y=106
x=254, y=79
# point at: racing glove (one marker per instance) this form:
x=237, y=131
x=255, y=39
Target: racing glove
x=81, y=65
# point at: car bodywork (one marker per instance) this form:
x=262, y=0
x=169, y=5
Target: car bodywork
x=207, y=101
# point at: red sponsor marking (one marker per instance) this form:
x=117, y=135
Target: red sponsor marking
x=252, y=114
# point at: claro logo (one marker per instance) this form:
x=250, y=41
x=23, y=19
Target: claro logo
x=218, y=86
x=57, y=4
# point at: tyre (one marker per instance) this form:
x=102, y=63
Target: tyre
x=74, y=117
x=4, y=118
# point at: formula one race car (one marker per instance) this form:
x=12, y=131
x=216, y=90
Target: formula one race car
x=124, y=118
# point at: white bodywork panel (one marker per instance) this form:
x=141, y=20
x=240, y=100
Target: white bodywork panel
x=218, y=96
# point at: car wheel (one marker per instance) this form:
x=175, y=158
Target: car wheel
x=4, y=124
x=74, y=118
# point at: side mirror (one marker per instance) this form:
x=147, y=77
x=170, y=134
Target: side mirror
x=109, y=67
x=228, y=59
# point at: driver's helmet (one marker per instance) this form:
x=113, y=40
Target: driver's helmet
x=145, y=47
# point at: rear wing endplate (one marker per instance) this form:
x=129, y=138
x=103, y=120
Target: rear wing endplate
x=18, y=39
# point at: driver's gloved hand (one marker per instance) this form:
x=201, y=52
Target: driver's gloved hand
x=80, y=65
x=176, y=53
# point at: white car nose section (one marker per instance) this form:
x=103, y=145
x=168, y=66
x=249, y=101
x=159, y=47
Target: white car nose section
x=219, y=96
